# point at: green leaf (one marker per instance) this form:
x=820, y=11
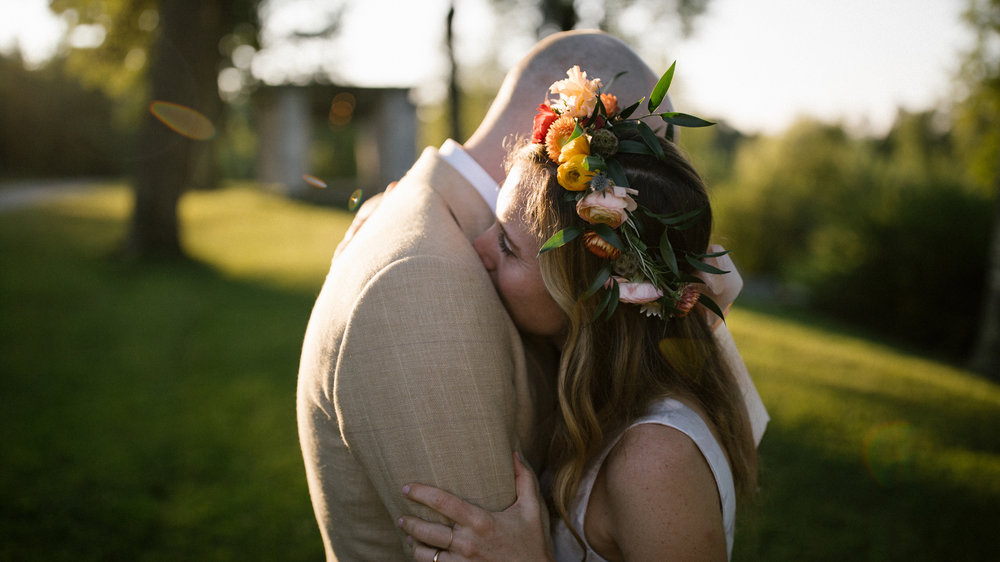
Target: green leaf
x=609, y=235
x=708, y=303
x=595, y=163
x=612, y=301
x=667, y=252
x=598, y=282
x=685, y=120
x=649, y=137
x=607, y=87
x=675, y=218
x=577, y=131
x=633, y=147
x=700, y=265
x=625, y=113
x=602, y=305
x=660, y=90
x=616, y=172
x=560, y=238
x=712, y=255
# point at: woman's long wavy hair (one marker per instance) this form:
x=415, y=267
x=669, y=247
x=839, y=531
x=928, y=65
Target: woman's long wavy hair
x=611, y=370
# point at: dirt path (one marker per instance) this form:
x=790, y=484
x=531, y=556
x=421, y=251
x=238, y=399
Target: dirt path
x=20, y=194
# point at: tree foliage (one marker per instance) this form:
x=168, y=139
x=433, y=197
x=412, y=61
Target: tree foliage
x=883, y=232
x=976, y=128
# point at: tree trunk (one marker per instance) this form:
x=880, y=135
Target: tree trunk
x=183, y=68
x=557, y=15
x=454, y=101
x=986, y=357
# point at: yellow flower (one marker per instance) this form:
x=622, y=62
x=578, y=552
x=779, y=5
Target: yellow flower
x=560, y=130
x=577, y=94
x=575, y=147
x=573, y=174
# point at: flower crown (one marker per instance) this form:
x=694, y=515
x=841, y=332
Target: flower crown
x=582, y=132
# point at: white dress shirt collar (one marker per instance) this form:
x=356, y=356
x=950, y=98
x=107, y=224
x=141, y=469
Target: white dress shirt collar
x=453, y=153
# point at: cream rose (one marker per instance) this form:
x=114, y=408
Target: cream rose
x=577, y=94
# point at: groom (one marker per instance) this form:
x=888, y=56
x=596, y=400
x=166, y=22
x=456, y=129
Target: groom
x=411, y=370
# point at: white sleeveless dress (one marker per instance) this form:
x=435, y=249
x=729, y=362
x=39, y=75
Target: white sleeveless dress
x=671, y=413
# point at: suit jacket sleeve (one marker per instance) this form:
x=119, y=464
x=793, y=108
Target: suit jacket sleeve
x=437, y=402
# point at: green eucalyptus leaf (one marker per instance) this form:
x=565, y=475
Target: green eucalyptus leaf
x=667, y=252
x=676, y=218
x=560, y=239
x=577, y=131
x=660, y=90
x=625, y=113
x=649, y=137
x=712, y=255
x=708, y=303
x=609, y=235
x=607, y=87
x=602, y=277
x=633, y=147
x=612, y=301
x=616, y=172
x=685, y=120
x=702, y=266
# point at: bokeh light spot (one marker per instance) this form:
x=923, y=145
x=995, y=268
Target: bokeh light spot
x=314, y=181
x=183, y=120
x=342, y=109
x=355, y=200
x=889, y=451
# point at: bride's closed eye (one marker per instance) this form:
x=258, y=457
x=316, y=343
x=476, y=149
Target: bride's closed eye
x=503, y=245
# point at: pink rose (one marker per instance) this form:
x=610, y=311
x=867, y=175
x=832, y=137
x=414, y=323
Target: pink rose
x=609, y=207
x=637, y=293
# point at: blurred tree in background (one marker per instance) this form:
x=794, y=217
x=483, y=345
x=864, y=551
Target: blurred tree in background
x=53, y=126
x=166, y=50
x=977, y=127
x=881, y=232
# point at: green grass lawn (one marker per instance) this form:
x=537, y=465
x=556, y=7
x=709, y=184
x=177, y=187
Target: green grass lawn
x=148, y=410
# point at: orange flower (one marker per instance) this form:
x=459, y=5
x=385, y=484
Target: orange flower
x=610, y=103
x=687, y=299
x=573, y=174
x=559, y=132
x=599, y=246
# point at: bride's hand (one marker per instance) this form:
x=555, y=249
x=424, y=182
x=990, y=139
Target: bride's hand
x=513, y=534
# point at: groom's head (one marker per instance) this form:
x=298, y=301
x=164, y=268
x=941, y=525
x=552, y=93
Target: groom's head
x=527, y=85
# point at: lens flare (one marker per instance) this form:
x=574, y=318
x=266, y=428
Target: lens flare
x=355, y=200
x=314, y=181
x=183, y=120
x=889, y=451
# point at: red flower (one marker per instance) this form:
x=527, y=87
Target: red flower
x=543, y=120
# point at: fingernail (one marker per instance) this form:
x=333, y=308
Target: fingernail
x=399, y=522
x=406, y=490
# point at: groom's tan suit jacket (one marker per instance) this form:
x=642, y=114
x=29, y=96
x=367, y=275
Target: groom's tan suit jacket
x=411, y=370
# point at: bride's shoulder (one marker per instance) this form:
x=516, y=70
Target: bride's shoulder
x=652, y=451
x=658, y=484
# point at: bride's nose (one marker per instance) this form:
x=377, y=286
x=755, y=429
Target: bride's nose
x=486, y=249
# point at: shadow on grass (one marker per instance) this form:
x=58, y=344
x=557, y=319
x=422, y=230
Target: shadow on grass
x=149, y=409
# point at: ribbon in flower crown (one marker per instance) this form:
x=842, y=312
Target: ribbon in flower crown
x=581, y=131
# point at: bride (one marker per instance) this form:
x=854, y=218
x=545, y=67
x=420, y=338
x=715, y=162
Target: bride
x=652, y=443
